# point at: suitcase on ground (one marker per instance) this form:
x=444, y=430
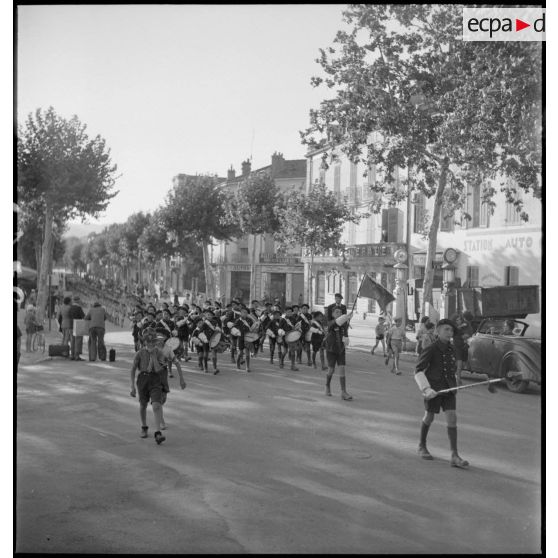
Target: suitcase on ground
x=112, y=355
x=58, y=350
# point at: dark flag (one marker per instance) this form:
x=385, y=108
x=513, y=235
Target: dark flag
x=370, y=289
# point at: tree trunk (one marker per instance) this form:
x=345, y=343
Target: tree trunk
x=209, y=290
x=37, y=258
x=310, y=299
x=44, y=269
x=253, y=270
x=433, y=237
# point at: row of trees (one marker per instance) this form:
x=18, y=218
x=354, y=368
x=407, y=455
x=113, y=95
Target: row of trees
x=407, y=92
x=198, y=212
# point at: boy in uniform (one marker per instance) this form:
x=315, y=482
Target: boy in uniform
x=337, y=332
x=436, y=370
x=286, y=324
x=243, y=325
x=150, y=382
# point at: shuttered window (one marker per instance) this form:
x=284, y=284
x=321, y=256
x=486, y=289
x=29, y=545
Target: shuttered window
x=473, y=276
x=511, y=275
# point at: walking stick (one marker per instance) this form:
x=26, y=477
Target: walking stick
x=509, y=375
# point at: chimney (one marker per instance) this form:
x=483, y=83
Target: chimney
x=277, y=161
x=246, y=167
x=231, y=174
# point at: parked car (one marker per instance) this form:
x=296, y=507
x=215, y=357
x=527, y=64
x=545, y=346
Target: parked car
x=500, y=346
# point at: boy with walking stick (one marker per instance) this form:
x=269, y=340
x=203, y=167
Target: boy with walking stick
x=436, y=371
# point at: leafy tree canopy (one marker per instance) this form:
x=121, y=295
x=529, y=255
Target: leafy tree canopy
x=410, y=93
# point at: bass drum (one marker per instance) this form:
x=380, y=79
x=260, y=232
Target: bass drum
x=251, y=337
x=215, y=339
x=173, y=343
x=293, y=336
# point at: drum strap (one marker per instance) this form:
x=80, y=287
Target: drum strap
x=210, y=325
x=166, y=326
x=244, y=323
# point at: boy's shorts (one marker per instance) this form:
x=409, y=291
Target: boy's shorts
x=150, y=386
x=446, y=401
x=379, y=337
x=335, y=358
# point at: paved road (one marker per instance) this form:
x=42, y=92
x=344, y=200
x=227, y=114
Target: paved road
x=264, y=462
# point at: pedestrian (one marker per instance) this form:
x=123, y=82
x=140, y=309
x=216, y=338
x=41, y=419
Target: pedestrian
x=149, y=383
x=76, y=341
x=334, y=342
x=420, y=332
x=380, y=331
x=429, y=335
x=395, y=337
x=435, y=371
x=32, y=300
x=272, y=331
x=97, y=314
x=31, y=326
x=462, y=332
x=65, y=320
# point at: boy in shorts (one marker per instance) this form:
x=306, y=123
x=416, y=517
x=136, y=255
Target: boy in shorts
x=337, y=333
x=150, y=360
x=380, y=331
x=436, y=370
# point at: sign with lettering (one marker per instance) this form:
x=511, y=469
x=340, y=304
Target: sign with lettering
x=487, y=244
x=240, y=268
x=382, y=249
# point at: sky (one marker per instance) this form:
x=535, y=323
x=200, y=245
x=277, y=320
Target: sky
x=176, y=88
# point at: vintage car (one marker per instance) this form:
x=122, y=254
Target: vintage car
x=499, y=347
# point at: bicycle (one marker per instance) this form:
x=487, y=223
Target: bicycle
x=39, y=341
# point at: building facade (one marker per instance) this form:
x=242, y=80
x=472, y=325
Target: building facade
x=493, y=248
x=277, y=275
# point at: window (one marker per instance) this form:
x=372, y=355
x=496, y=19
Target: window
x=337, y=181
x=330, y=284
x=244, y=251
x=476, y=208
x=446, y=221
x=512, y=214
x=511, y=275
x=472, y=276
x=392, y=225
x=320, y=287
x=419, y=212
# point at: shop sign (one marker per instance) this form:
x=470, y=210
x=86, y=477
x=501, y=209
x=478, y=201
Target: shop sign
x=420, y=260
x=241, y=268
x=487, y=244
x=374, y=250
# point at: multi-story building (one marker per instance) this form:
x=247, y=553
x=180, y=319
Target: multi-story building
x=493, y=249
x=277, y=276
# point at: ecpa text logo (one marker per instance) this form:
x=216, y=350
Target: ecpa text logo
x=504, y=24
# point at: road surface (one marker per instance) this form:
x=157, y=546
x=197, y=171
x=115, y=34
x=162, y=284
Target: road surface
x=266, y=463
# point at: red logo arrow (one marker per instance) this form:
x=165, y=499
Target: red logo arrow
x=519, y=24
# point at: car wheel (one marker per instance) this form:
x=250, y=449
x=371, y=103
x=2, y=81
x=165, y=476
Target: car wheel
x=511, y=366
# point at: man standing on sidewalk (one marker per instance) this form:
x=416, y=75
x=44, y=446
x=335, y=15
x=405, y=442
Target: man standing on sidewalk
x=65, y=320
x=97, y=314
x=76, y=344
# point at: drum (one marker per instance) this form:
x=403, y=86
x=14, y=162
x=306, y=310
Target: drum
x=293, y=336
x=235, y=331
x=203, y=337
x=173, y=343
x=251, y=336
x=215, y=339
x=270, y=333
x=308, y=336
x=230, y=325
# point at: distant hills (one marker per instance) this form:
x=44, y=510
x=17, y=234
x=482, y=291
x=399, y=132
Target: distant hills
x=83, y=229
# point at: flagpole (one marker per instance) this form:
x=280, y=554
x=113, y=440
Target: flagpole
x=358, y=292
